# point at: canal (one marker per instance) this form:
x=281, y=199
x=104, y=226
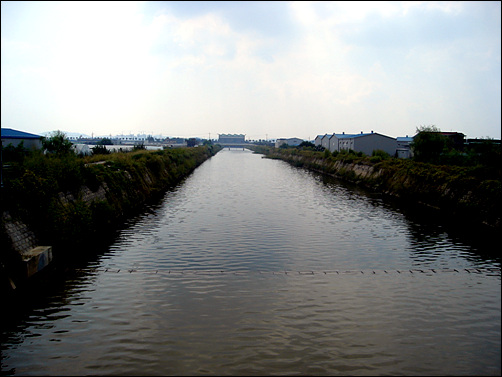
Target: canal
x=253, y=267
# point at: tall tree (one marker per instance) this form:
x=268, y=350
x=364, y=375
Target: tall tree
x=428, y=144
x=57, y=143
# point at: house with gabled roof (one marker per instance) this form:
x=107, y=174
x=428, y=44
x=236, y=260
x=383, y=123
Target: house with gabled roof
x=363, y=142
x=318, y=140
x=15, y=137
x=325, y=140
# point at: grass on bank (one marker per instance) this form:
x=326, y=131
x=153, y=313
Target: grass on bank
x=45, y=191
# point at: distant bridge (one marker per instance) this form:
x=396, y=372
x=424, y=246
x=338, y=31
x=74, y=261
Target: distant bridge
x=236, y=145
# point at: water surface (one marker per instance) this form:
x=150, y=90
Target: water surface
x=253, y=267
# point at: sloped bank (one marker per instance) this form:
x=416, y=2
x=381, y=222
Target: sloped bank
x=472, y=195
x=74, y=206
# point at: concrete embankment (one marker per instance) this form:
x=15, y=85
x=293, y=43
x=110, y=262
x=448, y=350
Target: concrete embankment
x=471, y=195
x=73, y=207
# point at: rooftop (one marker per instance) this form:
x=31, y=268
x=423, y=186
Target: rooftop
x=9, y=133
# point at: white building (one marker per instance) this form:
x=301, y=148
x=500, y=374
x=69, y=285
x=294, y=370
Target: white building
x=83, y=149
x=15, y=137
x=325, y=140
x=363, y=142
x=318, y=140
x=403, y=147
x=293, y=142
x=231, y=138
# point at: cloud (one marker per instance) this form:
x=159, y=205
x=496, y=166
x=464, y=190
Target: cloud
x=276, y=68
x=269, y=19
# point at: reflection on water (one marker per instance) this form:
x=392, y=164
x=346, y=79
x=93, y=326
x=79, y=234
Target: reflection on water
x=253, y=267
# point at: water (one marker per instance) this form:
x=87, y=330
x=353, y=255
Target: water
x=253, y=267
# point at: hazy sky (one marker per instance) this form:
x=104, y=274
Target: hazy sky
x=264, y=69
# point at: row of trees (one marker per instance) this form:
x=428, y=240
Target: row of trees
x=430, y=145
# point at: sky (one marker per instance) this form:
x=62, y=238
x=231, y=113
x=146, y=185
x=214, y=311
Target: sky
x=264, y=69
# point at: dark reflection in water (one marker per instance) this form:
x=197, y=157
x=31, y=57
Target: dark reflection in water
x=253, y=267
x=430, y=230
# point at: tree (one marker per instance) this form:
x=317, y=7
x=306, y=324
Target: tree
x=428, y=144
x=12, y=153
x=139, y=147
x=99, y=149
x=57, y=144
x=105, y=141
x=485, y=151
x=306, y=144
x=192, y=142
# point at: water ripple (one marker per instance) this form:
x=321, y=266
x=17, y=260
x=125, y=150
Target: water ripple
x=253, y=267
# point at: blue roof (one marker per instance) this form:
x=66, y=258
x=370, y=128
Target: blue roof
x=9, y=133
x=346, y=136
x=407, y=138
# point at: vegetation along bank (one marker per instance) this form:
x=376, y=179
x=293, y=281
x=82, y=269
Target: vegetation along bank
x=75, y=203
x=470, y=194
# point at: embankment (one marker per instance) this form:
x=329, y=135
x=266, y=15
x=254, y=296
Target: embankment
x=472, y=195
x=75, y=204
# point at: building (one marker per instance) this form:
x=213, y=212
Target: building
x=484, y=147
x=457, y=139
x=82, y=149
x=231, y=139
x=475, y=144
x=292, y=142
x=325, y=140
x=403, y=147
x=15, y=137
x=318, y=140
x=174, y=142
x=363, y=142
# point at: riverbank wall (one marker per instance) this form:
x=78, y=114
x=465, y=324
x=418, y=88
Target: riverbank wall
x=74, y=205
x=471, y=195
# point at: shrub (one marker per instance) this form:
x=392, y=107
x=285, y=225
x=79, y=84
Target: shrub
x=428, y=144
x=139, y=147
x=380, y=153
x=99, y=149
x=57, y=144
x=11, y=153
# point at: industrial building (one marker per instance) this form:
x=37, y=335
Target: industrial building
x=231, y=138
